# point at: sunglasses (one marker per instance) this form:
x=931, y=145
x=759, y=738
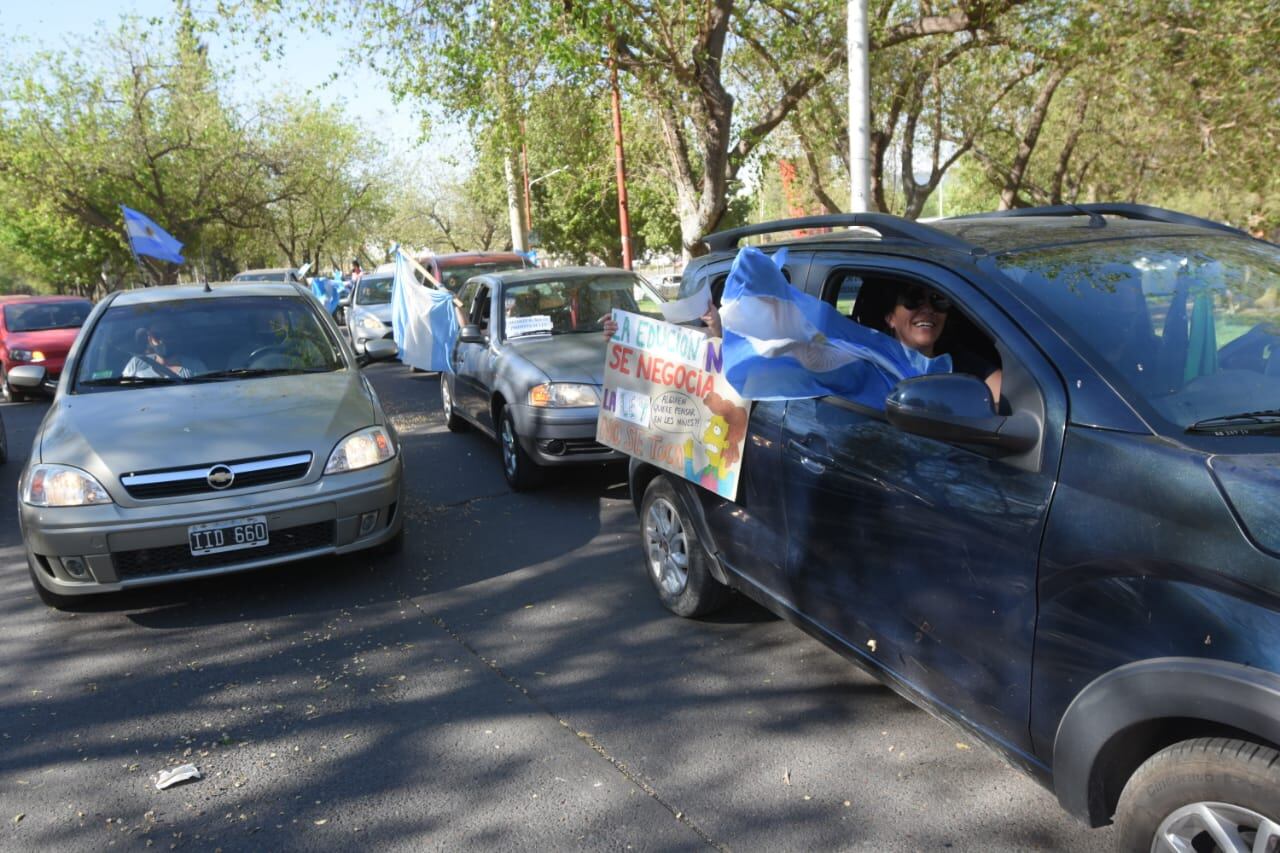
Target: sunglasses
x=914, y=298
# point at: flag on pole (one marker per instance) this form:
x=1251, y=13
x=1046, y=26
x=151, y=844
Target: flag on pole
x=783, y=344
x=424, y=324
x=148, y=238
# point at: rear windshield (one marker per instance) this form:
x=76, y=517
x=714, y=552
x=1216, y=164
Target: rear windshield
x=374, y=291
x=453, y=277
x=206, y=340
x=269, y=275
x=35, y=316
x=1187, y=327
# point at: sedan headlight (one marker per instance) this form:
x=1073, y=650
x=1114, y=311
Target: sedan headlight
x=61, y=485
x=562, y=395
x=370, y=323
x=26, y=355
x=369, y=446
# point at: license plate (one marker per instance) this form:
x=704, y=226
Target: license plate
x=232, y=535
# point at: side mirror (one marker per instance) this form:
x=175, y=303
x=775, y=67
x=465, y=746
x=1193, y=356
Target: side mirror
x=958, y=408
x=380, y=350
x=27, y=376
x=471, y=334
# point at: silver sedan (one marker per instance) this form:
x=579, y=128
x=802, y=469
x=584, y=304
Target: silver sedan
x=198, y=431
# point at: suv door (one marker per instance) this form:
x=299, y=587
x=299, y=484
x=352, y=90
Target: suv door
x=917, y=554
x=469, y=394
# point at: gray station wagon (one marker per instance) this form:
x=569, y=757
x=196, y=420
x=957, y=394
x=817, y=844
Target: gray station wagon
x=204, y=430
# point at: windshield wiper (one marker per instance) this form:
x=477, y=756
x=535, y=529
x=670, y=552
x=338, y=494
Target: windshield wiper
x=128, y=380
x=245, y=372
x=1264, y=421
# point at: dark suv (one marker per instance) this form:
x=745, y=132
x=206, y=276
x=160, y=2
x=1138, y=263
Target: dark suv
x=1087, y=576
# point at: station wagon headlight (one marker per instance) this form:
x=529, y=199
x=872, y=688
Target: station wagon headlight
x=370, y=323
x=562, y=395
x=61, y=485
x=361, y=449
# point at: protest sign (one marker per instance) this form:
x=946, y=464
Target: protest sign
x=666, y=401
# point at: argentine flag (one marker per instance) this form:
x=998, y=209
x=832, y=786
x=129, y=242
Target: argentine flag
x=423, y=322
x=782, y=344
x=148, y=238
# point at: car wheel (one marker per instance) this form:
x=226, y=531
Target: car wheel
x=1203, y=794
x=7, y=392
x=678, y=563
x=50, y=599
x=452, y=419
x=521, y=471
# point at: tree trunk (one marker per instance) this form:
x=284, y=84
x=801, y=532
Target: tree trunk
x=1030, y=136
x=515, y=205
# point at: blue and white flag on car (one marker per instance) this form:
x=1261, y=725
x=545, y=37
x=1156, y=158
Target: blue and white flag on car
x=148, y=238
x=327, y=292
x=423, y=321
x=782, y=344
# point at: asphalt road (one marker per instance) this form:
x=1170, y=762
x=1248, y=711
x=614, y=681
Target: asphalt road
x=508, y=682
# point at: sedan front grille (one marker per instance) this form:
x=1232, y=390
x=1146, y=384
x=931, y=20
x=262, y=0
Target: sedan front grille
x=579, y=446
x=178, y=482
x=175, y=559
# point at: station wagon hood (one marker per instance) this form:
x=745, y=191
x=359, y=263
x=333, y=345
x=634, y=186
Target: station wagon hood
x=566, y=358
x=141, y=429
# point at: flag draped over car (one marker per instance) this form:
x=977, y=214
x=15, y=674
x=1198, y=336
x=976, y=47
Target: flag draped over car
x=782, y=344
x=423, y=322
x=148, y=238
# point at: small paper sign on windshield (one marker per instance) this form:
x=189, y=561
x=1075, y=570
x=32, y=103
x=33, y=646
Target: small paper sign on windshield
x=536, y=324
x=666, y=401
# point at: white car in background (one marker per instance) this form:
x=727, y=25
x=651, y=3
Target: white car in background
x=369, y=316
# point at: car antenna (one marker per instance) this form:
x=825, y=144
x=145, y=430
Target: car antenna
x=1095, y=218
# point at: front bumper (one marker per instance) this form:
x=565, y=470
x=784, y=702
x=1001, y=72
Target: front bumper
x=361, y=336
x=561, y=436
x=119, y=547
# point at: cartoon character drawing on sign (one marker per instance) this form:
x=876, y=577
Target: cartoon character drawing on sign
x=721, y=444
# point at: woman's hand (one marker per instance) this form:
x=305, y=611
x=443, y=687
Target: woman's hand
x=609, y=325
x=712, y=318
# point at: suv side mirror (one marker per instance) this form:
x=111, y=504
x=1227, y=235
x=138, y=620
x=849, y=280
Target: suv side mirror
x=958, y=408
x=471, y=334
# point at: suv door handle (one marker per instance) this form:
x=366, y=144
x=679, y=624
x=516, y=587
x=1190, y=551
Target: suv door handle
x=815, y=463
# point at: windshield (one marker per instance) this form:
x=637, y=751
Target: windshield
x=374, y=291
x=207, y=340
x=34, y=317
x=453, y=277
x=576, y=304
x=1187, y=327
x=265, y=275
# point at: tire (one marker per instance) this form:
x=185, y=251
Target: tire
x=7, y=392
x=1183, y=790
x=452, y=420
x=50, y=599
x=670, y=539
x=521, y=471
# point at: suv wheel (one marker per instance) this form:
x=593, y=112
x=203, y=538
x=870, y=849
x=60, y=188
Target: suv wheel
x=1207, y=794
x=7, y=391
x=675, y=557
x=521, y=471
x=452, y=419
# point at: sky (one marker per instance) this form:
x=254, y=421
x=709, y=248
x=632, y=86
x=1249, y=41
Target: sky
x=308, y=59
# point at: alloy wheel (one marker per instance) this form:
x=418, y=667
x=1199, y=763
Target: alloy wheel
x=1216, y=827
x=667, y=547
x=446, y=402
x=510, y=462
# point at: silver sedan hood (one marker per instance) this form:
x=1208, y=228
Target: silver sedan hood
x=113, y=433
x=566, y=358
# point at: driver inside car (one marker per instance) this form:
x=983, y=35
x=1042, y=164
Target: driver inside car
x=160, y=359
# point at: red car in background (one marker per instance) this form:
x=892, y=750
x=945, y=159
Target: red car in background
x=454, y=269
x=38, y=330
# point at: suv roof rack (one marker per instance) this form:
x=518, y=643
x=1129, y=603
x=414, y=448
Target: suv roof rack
x=888, y=225
x=1142, y=212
